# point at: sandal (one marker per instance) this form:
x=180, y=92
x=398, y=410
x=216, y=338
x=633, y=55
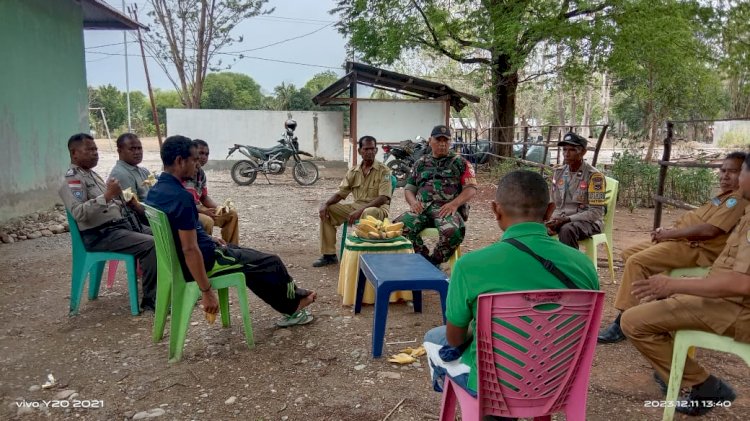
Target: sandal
x=301, y=317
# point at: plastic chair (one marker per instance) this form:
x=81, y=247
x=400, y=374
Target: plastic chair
x=346, y=223
x=534, y=355
x=171, y=287
x=605, y=237
x=90, y=264
x=434, y=233
x=112, y=272
x=685, y=339
x=694, y=272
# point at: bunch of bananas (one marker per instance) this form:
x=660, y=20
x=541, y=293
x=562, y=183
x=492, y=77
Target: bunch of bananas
x=150, y=180
x=225, y=208
x=375, y=229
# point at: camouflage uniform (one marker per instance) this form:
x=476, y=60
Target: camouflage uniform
x=581, y=197
x=104, y=227
x=436, y=182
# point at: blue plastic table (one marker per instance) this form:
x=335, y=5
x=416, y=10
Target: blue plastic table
x=396, y=272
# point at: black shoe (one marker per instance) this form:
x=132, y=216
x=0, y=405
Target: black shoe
x=612, y=334
x=709, y=394
x=325, y=260
x=661, y=383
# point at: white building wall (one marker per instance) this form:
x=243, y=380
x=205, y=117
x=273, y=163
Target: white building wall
x=320, y=132
x=737, y=130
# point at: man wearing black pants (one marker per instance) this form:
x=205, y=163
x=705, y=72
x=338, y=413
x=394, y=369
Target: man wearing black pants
x=202, y=256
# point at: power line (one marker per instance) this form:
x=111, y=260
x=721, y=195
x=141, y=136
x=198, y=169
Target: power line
x=294, y=19
x=279, y=42
x=109, y=45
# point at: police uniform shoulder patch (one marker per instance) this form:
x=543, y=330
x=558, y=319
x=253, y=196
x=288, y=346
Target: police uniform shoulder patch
x=76, y=188
x=597, y=189
x=70, y=173
x=731, y=203
x=716, y=201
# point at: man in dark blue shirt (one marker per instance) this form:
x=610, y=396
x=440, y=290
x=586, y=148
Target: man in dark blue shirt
x=202, y=255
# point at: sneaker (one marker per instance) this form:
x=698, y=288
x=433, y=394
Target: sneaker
x=704, y=397
x=611, y=335
x=325, y=260
x=301, y=317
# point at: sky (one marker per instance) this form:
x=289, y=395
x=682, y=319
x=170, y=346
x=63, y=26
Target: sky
x=319, y=51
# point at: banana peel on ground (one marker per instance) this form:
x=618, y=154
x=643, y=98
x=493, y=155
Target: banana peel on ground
x=407, y=356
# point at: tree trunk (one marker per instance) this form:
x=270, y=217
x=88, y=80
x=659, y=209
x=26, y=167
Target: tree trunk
x=573, y=108
x=503, y=105
x=560, y=92
x=605, y=98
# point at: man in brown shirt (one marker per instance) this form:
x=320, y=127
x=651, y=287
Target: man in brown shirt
x=718, y=303
x=370, y=185
x=696, y=240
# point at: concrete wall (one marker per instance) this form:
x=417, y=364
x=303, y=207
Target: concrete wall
x=737, y=131
x=320, y=132
x=43, y=99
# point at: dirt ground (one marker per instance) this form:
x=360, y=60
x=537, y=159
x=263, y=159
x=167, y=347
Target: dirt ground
x=322, y=371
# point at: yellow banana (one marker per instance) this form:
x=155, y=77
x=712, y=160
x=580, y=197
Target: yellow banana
x=373, y=219
x=392, y=234
x=394, y=227
x=368, y=223
x=402, y=359
x=367, y=228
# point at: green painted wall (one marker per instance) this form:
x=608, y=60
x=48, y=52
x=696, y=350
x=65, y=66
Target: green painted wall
x=43, y=99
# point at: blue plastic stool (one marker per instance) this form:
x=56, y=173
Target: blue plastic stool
x=90, y=265
x=396, y=272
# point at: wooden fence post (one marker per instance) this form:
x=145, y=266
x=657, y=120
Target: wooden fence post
x=663, y=174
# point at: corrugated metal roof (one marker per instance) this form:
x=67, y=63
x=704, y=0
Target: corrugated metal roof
x=388, y=80
x=99, y=15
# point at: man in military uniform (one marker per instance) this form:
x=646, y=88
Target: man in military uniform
x=97, y=207
x=208, y=214
x=369, y=184
x=126, y=169
x=718, y=303
x=578, y=190
x=437, y=191
x=696, y=240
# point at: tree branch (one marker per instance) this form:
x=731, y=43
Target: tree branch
x=579, y=12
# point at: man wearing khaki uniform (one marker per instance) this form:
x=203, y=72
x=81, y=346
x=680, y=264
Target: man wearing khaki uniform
x=579, y=191
x=370, y=185
x=718, y=303
x=696, y=240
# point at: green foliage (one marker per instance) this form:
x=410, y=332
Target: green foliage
x=639, y=181
x=735, y=139
x=231, y=91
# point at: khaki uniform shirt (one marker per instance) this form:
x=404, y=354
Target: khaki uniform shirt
x=82, y=193
x=365, y=188
x=735, y=258
x=579, y=195
x=723, y=212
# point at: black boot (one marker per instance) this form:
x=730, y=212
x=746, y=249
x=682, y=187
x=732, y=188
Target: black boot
x=612, y=334
x=707, y=395
x=325, y=260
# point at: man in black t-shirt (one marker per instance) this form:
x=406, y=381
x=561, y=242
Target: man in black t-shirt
x=202, y=255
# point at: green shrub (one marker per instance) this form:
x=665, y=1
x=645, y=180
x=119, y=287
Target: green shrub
x=735, y=139
x=639, y=181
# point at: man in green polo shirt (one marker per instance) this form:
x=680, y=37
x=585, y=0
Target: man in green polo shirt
x=521, y=206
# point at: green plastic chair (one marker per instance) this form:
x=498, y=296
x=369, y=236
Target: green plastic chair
x=346, y=223
x=90, y=264
x=694, y=272
x=591, y=244
x=684, y=340
x=171, y=288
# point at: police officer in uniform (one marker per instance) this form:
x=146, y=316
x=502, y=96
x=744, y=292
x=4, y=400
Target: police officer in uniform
x=696, y=240
x=97, y=207
x=437, y=191
x=578, y=190
x=718, y=303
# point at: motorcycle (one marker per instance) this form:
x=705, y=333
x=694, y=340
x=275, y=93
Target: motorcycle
x=404, y=157
x=274, y=160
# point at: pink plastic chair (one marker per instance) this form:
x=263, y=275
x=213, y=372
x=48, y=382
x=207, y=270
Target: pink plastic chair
x=112, y=271
x=532, y=361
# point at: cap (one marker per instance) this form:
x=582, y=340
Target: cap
x=441, y=131
x=571, y=138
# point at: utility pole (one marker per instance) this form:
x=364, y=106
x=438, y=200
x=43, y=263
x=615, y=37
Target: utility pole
x=134, y=11
x=127, y=76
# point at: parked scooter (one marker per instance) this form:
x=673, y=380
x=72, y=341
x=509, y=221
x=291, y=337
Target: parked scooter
x=404, y=157
x=274, y=160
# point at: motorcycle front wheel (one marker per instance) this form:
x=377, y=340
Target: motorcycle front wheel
x=400, y=170
x=244, y=172
x=305, y=173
